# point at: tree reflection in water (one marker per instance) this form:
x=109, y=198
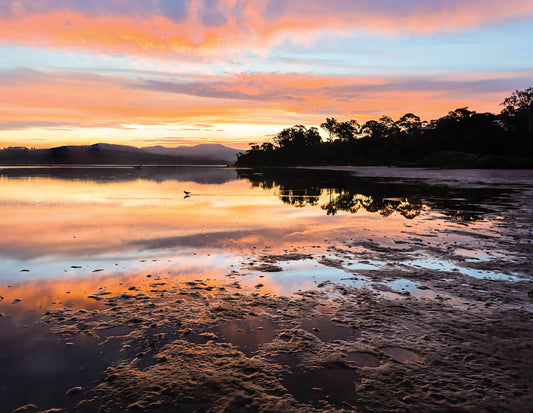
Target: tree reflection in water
x=347, y=201
x=336, y=191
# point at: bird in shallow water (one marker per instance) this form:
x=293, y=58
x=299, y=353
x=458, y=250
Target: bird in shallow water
x=186, y=192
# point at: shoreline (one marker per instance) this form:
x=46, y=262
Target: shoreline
x=335, y=347
x=427, y=308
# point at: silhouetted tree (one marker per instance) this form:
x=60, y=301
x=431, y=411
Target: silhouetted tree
x=331, y=126
x=408, y=123
x=347, y=131
x=461, y=114
x=298, y=136
x=386, y=120
x=452, y=126
x=267, y=146
x=375, y=129
x=342, y=131
x=462, y=138
x=519, y=109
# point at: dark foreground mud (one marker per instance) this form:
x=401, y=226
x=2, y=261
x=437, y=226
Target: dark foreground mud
x=223, y=350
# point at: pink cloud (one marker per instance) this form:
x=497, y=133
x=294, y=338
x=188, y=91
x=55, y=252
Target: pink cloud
x=73, y=99
x=207, y=26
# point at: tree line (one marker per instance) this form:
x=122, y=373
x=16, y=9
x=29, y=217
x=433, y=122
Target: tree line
x=462, y=138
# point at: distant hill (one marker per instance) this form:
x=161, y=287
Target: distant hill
x=109, y=154
x=212, y=151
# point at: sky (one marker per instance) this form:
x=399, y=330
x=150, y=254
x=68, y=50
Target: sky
x=183, y=72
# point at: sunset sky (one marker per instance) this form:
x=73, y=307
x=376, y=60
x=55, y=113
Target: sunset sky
x=174, y=72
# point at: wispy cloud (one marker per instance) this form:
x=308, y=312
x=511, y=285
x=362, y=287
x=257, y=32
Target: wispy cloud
x=174, y=27
x=185, y=141
x=72, y=100
x=60, y=125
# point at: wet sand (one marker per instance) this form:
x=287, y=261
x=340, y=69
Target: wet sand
x=438, y=319
x=195, y=347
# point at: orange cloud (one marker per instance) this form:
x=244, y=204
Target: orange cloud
x=256, y=24
x=265, y=98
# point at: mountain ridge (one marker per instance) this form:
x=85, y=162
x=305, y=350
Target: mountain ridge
x=203, y=150
x=113, y=154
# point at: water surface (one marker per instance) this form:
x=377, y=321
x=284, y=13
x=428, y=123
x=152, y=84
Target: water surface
x=72, y=236
x=73, y=229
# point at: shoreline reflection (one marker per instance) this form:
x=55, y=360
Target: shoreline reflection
x=334, y=191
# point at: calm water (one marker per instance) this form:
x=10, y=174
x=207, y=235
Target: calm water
x=68, y=231
x=68, y=235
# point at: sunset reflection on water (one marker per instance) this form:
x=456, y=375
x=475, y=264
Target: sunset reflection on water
x=66, y=232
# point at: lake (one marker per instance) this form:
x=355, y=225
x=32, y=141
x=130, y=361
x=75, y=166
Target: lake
x=73, y=238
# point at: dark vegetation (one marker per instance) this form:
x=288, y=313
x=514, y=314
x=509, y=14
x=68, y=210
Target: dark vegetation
x=461, y=139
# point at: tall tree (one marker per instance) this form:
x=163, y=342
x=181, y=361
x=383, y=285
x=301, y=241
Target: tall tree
x=298, y=137
x=408, y=123
x=330, y=125
x=375, y=129
x=519, y=106
x=346, y=131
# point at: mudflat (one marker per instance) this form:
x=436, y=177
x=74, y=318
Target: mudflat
x=417, y=306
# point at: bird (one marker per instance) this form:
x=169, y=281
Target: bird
x=187, y=192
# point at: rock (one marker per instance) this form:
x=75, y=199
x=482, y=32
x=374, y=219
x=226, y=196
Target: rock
x=74, y=390
x=26, y=408
x=530, y=294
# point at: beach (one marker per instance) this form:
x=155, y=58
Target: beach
x=389, y=308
